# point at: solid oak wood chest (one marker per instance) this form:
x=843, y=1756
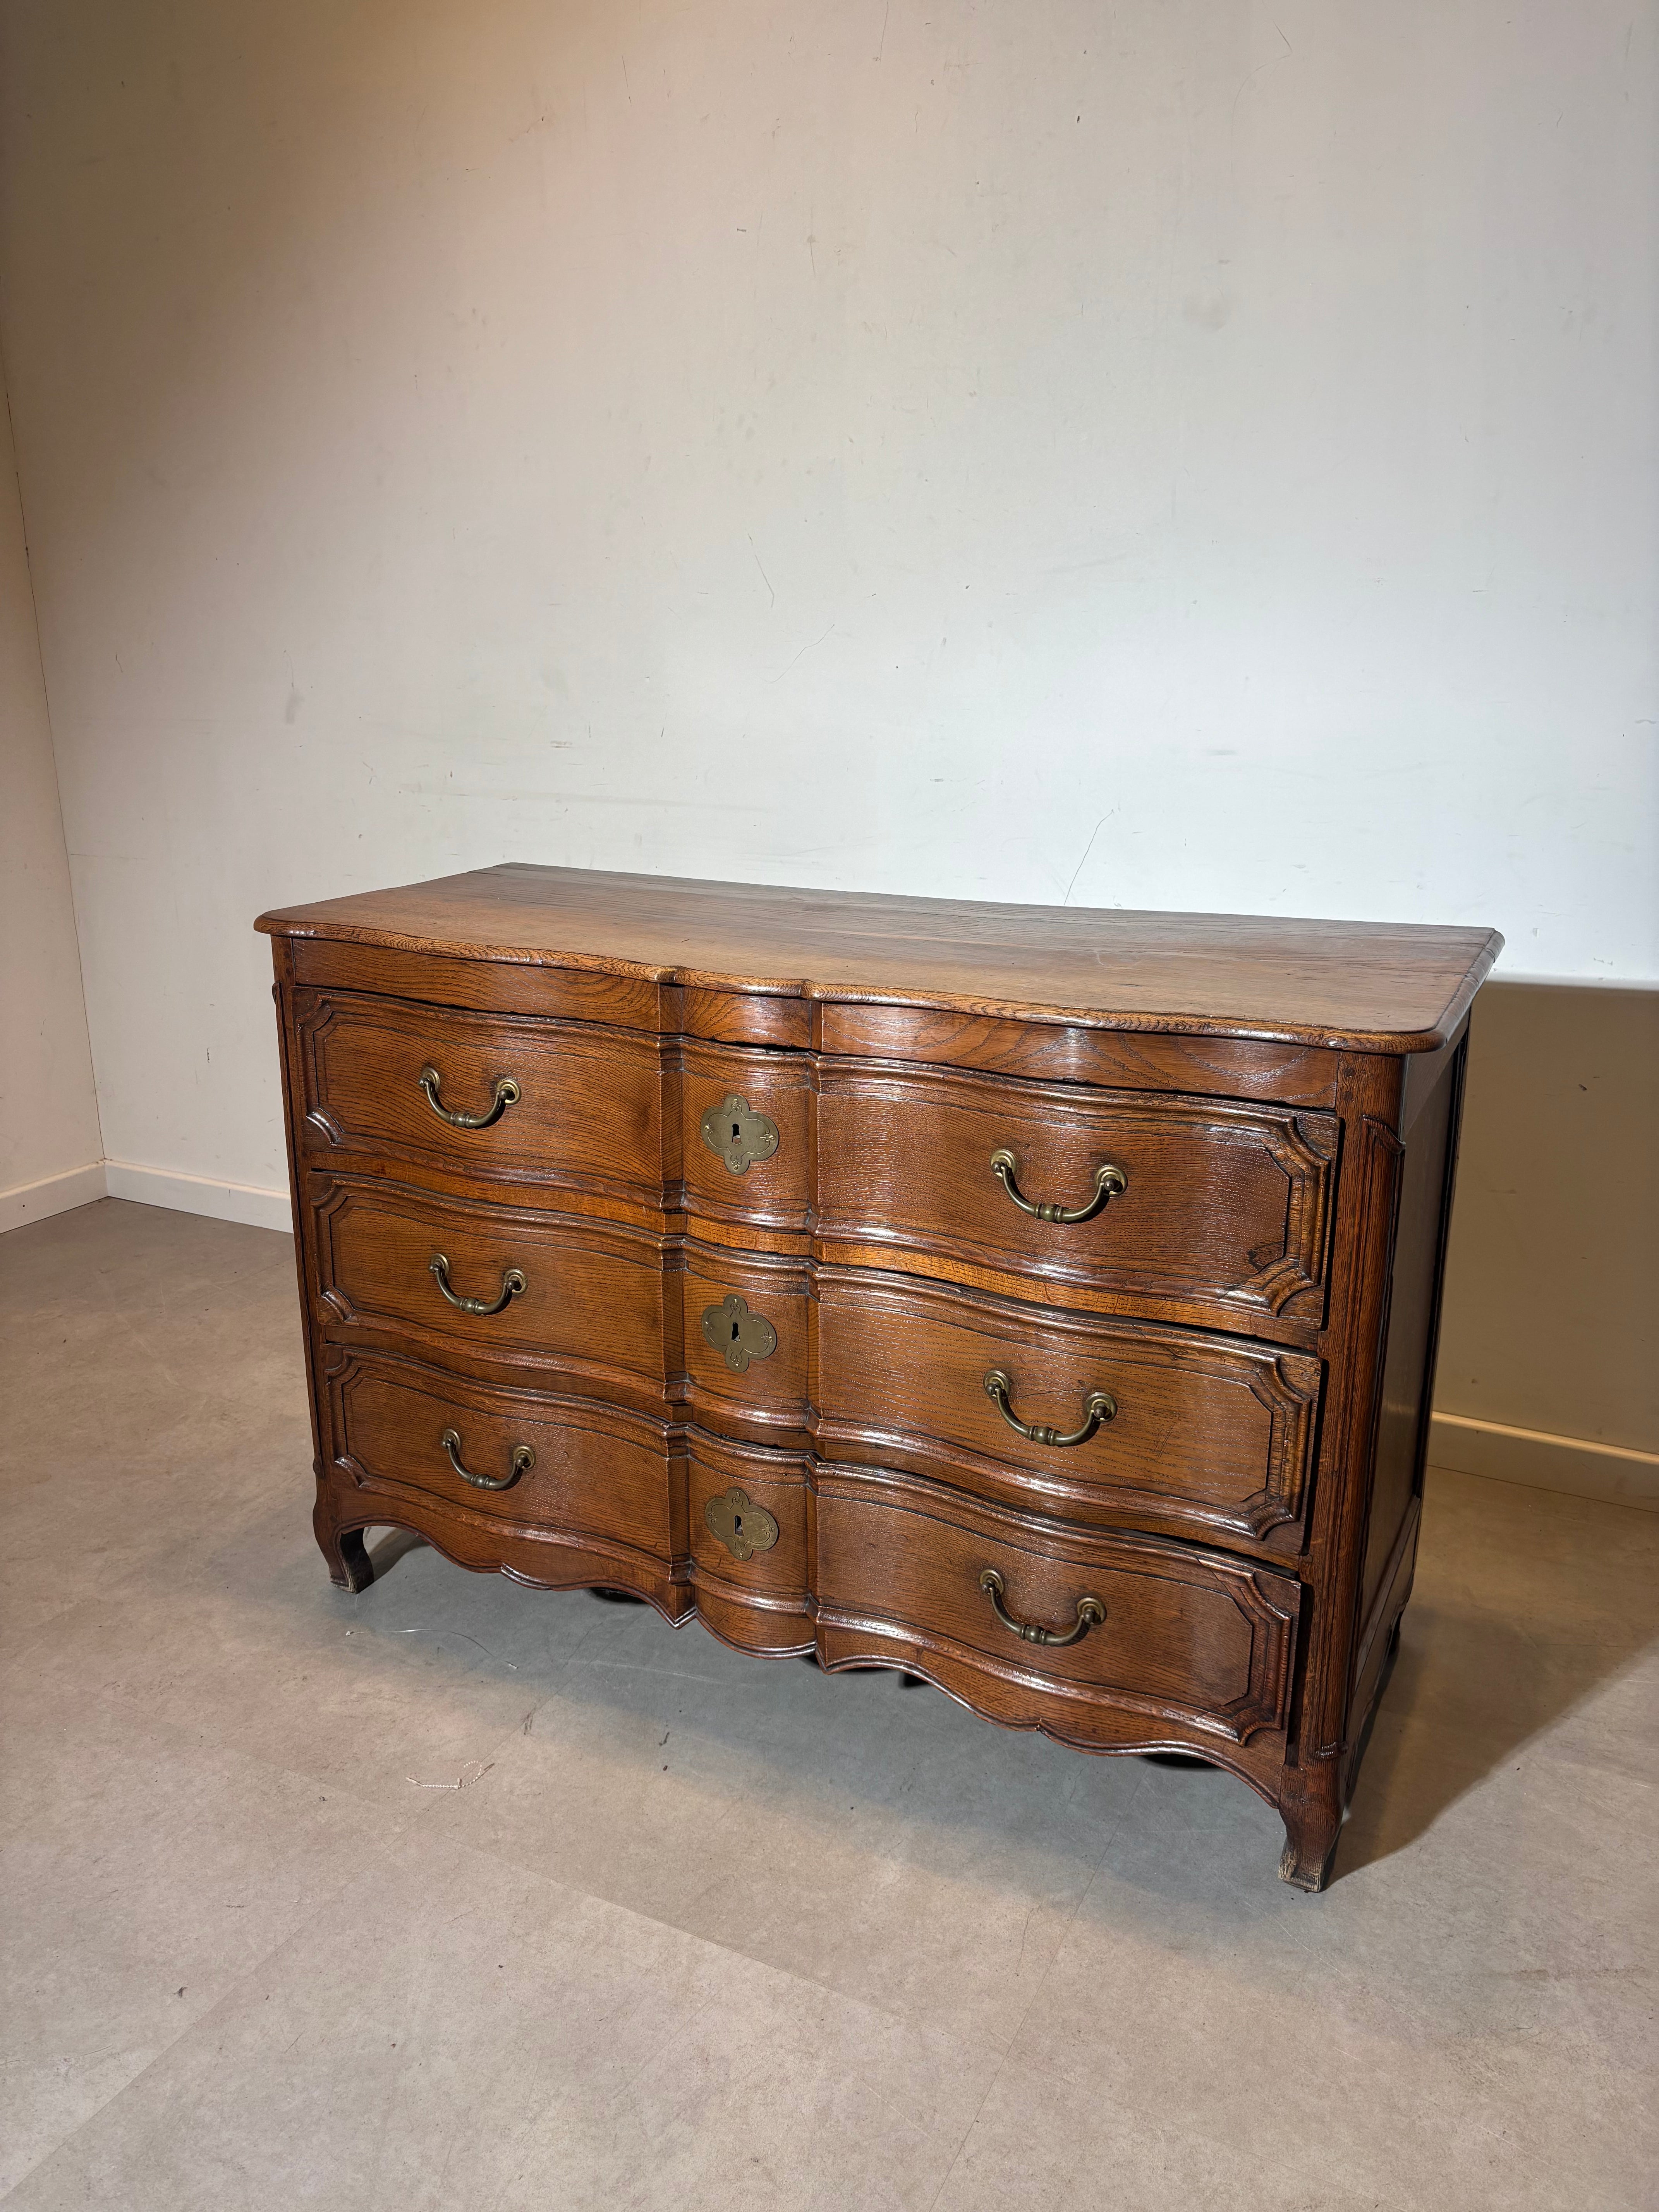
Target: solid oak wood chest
x=1036, y=1300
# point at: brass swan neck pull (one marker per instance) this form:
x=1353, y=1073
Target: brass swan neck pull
x=1110, y=1183
x=506, y=1094
x=512, y=1282
x=1090, y=1615
x=1099, y=1406
x=524, y=1458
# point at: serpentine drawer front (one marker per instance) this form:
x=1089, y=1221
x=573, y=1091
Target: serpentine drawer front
x=1212, y=1432
x=1006, y=1294
x=553, y=1463
x=556, y=1103
x=1069, y=1623
x=1166, y=1205
x=484, y=1285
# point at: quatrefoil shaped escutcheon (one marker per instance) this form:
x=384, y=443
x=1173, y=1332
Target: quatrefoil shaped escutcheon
x=738, y=1334
x=741, y=1525
x=737, y=1134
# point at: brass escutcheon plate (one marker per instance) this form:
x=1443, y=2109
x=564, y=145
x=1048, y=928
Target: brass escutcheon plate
x=737, y=1134
x=741, y=1525
x=738, y=1334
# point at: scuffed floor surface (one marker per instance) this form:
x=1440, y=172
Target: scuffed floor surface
x=701, y=1931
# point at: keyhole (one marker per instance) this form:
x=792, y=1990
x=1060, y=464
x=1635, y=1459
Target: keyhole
x=737, y=1522
x=735, y=1132
x=735, y=1327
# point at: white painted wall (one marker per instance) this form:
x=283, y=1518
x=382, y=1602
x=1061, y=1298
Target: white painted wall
x=1159, y=454
x=50, y=1151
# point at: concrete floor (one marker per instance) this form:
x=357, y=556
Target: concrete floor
x=702, y=1931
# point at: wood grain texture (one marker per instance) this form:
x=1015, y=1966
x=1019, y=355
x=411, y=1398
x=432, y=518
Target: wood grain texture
x=1189, y=1634
x=811, y=1336
x=588, y=1114
x=767, y=1400
x=1379, y=1638
x=764, y=1603
x=1226, y=1218
x=1226, y=1213
x=1223, y=1066
x=768, y=1194
x=737, y=1017
x=1212, y=1435
x=545, y=1558
x=1345, y=986
x=1406, y=1386
x=1368, y=1096
x=437, y=978
x=592, y=1309
x=1122, y=1060
x=599, y=1476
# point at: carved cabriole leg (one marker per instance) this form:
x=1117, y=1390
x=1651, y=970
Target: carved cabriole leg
x=349, y=1565
x=1310, y=1805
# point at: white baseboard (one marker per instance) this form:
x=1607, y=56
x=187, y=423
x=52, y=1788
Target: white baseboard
x=188, y=1193
x=34, y=1201
x=1542, y=1461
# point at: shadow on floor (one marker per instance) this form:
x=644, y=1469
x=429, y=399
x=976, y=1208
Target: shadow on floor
x=1470, y=1688
x=1470, y=1685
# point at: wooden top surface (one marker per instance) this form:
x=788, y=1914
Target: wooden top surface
x=1357, y=985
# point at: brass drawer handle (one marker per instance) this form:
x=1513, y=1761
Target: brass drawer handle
x=1090, y=1615
x=1110, y=1183
x=506, y=1094
x=1099, y=1406
x=512, y=1282
x=524, y=1459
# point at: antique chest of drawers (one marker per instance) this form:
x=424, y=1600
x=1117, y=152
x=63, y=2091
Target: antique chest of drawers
x=1040, y=1301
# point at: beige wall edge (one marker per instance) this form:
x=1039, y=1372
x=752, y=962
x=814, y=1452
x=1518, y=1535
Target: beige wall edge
x=50, y=1131
x=1542, y=1461
x=1551, y=1301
